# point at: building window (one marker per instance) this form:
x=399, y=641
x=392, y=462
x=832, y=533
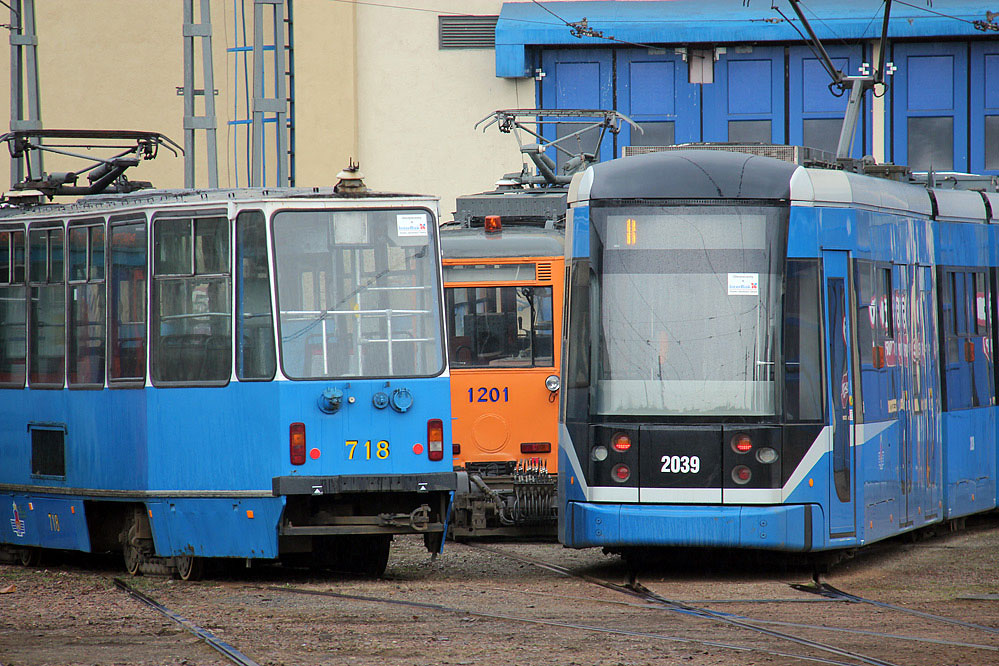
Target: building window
x=822, y=133
x=931, y=143
x=992, y=143
x=654, y=133
x=192, y=311
x=749, y=131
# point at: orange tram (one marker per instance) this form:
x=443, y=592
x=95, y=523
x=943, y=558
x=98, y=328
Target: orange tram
x=504, y=283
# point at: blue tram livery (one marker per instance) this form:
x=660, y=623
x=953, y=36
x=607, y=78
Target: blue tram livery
x=772, y=356
x=241, y=374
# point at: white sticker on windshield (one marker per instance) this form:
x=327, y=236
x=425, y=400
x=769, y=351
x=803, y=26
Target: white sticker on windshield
x=743, y=284
x=411, y=225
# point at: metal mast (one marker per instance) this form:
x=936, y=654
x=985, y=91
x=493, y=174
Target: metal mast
x=192, y=122
x=25, y=106
x=262, y=104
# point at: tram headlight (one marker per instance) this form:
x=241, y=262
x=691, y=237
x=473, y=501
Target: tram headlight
x=766, y=455
x=599, y=453
x=553, y=383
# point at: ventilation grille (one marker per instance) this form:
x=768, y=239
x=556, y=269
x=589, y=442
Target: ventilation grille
x=467, y=31
x=544, y=272
x=793, y=154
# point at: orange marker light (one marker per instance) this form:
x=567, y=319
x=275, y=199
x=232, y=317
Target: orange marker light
x=249, y=514
x=493, y=224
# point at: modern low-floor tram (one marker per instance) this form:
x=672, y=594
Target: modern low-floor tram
x=764, y=355
x=251, y=374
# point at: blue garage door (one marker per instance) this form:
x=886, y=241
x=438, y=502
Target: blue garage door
x=929, y=97
x=578, y=79
x=985, y=107
x=653, y=90
x=746, y=101
x=815, y=113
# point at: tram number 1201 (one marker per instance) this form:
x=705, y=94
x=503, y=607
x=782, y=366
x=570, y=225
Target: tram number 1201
x=483, y=394
x=681, y=464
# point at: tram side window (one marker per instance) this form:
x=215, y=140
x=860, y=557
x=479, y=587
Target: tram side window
x=47, y=311
x=254, y=323
x=13, y=323
x=86, y=305
x=967, y=335
x=127, y=302
x=192, y=312
x=802, y=347
x=507, y=327
x=875, y=340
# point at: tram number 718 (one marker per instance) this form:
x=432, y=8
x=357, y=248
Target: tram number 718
x=681, y=464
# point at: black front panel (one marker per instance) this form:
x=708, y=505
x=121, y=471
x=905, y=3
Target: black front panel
x=764, y=472
x=797, y=440
x=681, y=457
x=602, y=472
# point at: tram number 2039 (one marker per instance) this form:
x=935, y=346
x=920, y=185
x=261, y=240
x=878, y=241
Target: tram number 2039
x=681, y=464
x=483, y=394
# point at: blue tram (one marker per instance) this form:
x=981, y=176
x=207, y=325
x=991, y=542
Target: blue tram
x=772, y=356
x=234, y=373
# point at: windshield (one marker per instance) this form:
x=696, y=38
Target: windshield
x=500, y=327
x=358, y=294
x=684, y=304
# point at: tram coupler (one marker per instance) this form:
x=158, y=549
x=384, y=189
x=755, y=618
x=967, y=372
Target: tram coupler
x=513, y=498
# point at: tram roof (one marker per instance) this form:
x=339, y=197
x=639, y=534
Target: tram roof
x=152, y=198
x=512, y=242
x=687, y=174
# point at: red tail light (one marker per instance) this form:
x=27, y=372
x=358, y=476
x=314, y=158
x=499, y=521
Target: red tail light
x=493, y=224
x=742, y=474
x=741, y=443
x=621, y=473
x=456, y=449
x=621, y=442
x=535, y=447
x=296, y=437
x=435, y=439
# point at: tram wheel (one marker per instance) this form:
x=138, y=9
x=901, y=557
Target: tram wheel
x=189, y=567
x=29, y=557
x=131, y=553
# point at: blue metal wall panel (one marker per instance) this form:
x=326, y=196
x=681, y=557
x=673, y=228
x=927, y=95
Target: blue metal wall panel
x=984, y=101
x=749, y=86
x=655, y=87
x=931, y=82
x=522, y=24
x=811, y=97
x=578, y=79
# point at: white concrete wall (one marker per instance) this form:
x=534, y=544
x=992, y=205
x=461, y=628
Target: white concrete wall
x=418, y=104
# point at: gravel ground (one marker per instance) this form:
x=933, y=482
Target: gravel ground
x=501, y=611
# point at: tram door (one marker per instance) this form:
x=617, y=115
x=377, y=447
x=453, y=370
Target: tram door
x=902, y=279
x=839, y=352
